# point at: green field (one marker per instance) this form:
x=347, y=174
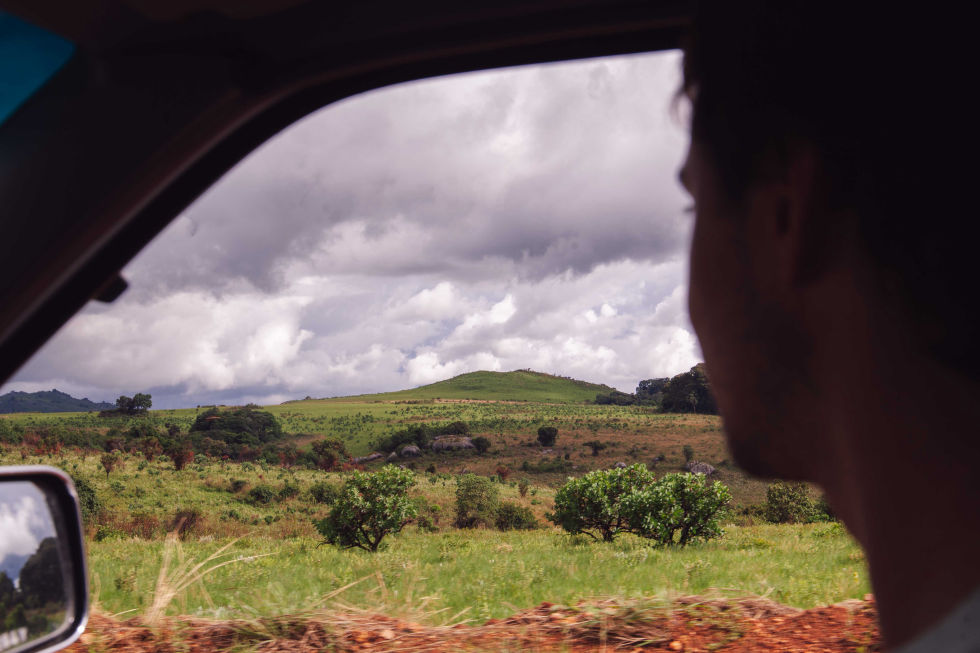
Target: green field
x=446, y=576
x=478, y=575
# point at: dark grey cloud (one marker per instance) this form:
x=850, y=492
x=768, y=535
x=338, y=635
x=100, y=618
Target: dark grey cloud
x=498, y=220
x=546, y=168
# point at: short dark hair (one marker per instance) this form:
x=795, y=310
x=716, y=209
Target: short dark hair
x=881, y=93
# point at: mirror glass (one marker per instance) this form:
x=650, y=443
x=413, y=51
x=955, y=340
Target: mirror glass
x=33, y=580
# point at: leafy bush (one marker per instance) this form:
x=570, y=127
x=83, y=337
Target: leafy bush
x=245, y=425
x=261, y=494
x=107, y=532
x=688, y=453
x=185, y=521
x=370, y=506
x=87, y=498
x=593, y=504
x=823, y=511
x=674, y=510
x=455, y=428
x=789, y=503
x=547, y=436
x=328, y=452
x=512, y=516
x=482, y=444
x=523, y=486
x=677, y=509
x=237, y=485
x=109, y=462
x=288, y=490
x=323, y=492
x=477, y=500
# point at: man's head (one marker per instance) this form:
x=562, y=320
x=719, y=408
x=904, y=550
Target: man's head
x=824, y=164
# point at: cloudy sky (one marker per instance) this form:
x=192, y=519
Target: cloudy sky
x=24, y=521
x=522, y=218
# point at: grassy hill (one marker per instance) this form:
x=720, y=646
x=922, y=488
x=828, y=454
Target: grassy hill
x=47, y=401
x=520, y=385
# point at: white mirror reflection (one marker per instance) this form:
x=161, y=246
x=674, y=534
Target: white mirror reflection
x=33, y=601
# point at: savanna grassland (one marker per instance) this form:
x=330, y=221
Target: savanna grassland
x=252, y=522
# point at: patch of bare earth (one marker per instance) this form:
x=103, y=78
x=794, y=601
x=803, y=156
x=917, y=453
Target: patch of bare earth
x=686, y=624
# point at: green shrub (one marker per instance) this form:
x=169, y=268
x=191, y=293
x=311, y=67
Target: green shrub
x=688, y=453
x=512, y=516
x=482, y=444
x=677, y=509
x=523, y=486
x=674, y=510
x=547, y=436
x=288, y=490
x=425, y=524
x=323, y=492
x=370, y=506
x=87, y=498
x=789, y=503
x=823, y=510
x=593, y=504
x=261, y=494
x=237, y=485
x=477, y=500
x=185, y=521
x=106, y=532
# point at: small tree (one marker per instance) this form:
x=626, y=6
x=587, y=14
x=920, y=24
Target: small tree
x=477, y=500
x=547, y=435
x=512, y=516
x=596, y=446
x=677, y=509
x=328, y=452
x=141, y=403
x=180, y=453
x=789, y=503
x=370, y=506
x=482, y=444
x=109, y=462
x=523, y=486
x=593, y=504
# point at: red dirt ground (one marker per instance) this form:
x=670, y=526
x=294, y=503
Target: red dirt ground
x=688, y=624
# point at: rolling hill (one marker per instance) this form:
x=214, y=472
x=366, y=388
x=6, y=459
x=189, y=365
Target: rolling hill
x=47, y=401
x=519, y=385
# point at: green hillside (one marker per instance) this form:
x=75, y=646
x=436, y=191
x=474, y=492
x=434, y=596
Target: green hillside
x=47, y=401
x=520, y=385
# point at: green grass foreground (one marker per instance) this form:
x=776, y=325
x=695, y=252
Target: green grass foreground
x=477, y=575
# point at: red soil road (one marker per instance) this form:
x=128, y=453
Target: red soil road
x=688, y=624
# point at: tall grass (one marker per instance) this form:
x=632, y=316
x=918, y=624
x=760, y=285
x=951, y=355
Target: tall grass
x=480, y=575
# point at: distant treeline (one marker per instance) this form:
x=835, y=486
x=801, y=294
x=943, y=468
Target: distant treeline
x=688, y=392
x=245, y=433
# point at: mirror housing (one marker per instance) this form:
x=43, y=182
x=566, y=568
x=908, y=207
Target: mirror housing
x=43, y=579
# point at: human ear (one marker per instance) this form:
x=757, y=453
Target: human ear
x=790, y=228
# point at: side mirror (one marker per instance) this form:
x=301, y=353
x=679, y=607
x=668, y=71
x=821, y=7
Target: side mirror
x=43, y=582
